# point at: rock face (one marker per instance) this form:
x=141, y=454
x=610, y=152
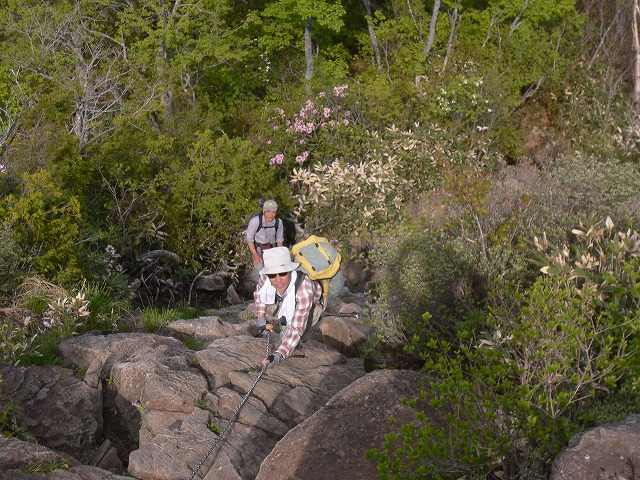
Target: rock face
x=60, y=410
x=147, y=405
x=331, y=444
x=609, y=452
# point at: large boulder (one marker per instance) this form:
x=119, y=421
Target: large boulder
x=608, y=452
x=331, y=444
x=63, y=412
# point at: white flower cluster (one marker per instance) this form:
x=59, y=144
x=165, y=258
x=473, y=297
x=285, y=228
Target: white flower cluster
x=65, y=308
x=367, y=192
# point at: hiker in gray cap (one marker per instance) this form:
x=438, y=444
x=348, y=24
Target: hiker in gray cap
x=264, y=231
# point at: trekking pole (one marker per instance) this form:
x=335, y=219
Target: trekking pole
x=235, y=414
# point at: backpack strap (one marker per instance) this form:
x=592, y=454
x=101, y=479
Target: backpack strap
x=299, y=280
x=261, y=216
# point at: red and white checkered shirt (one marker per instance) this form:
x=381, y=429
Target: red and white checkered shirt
x=308, y=294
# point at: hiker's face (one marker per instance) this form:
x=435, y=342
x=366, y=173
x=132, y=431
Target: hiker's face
x=269, y=215
x=280, y=280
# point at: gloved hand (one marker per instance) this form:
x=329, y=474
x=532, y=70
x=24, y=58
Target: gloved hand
x=271, y=360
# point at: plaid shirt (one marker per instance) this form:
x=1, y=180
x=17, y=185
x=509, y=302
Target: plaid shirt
x=307, y=295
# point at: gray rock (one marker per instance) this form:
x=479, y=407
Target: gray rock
x=346, y=335
x=204, y=329
x=60, y=410
x=331, y=443
x=610, y=452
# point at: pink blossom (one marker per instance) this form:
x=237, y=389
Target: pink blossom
x=268, y=142
x=303, y=157
x=277, y=160
x=340, y=91
x=326, y=112
x=276, y=127
x=3, y=169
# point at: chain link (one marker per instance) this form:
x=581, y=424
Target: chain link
x=327, y=314
x=235, y=414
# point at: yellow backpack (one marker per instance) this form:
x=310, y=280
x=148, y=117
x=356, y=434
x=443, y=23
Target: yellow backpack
x=321, y=262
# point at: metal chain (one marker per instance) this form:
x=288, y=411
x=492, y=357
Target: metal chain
x=356, y=315
x=235, y=414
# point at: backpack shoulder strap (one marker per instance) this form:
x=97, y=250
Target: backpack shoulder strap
x=259, y=221
x=299, y=280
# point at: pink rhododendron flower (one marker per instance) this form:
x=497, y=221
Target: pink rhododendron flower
x=277, y=160
x=303, y=157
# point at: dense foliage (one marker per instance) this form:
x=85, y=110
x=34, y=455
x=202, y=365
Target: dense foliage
x=471, y=142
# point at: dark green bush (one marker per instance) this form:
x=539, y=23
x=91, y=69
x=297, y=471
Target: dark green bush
x=10, y=273
x=422, y=270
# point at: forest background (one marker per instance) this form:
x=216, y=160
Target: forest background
x=133, y=126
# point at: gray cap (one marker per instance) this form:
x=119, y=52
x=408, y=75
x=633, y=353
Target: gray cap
x=270, y=205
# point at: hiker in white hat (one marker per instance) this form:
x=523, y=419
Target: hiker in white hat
x=288, y=296
x=264, y=231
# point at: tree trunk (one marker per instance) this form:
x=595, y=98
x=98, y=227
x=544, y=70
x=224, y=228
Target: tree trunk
x=372, y=35
x=636, y=58
x=452, y=35
x=432, y=27
x=308, y=53
x=413, y=19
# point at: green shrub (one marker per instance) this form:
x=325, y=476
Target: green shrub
x=210, y=194
x=106, y=306
x=573, y=190
x=192, y=343
x=10, y=273
x=46, y=466
x=45, y=223
x=423, y=270
x=536, y=373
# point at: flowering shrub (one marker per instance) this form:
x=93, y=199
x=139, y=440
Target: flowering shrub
x=295, y=138
x=67, y=313
x=596, y=262
x=15, y=341
x=465, y=103
x=358, y=196
x=368, y=192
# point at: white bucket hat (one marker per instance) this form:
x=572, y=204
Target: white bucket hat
x=277, y=260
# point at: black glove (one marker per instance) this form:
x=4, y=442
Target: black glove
x=261, y=332
x=274, y=359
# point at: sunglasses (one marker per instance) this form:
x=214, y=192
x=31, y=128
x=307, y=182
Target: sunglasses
x=274, y=275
